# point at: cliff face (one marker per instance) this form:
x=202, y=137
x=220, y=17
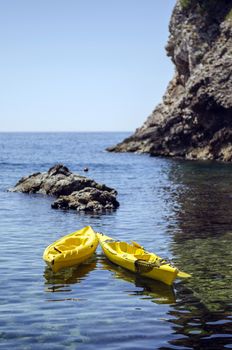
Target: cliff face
x=194, y=120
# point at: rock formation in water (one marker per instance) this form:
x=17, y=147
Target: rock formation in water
x=194, y=120
x=88, y=199
x=73, y=191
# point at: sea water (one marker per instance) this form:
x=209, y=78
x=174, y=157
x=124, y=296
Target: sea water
x=178, y=209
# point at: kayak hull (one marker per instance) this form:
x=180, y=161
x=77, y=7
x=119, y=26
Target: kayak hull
x=72, y=249
x=136, y=259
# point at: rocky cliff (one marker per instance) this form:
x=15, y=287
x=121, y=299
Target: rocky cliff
x=194, y=120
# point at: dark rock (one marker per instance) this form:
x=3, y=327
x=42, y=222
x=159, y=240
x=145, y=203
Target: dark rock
x=198, y=102
x=59, y=169
x=88, y=200
x=74, y=191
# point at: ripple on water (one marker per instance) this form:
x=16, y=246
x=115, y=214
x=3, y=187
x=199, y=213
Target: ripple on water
x=182, y=210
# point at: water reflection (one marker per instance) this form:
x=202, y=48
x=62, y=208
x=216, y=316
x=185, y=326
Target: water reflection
x=195, y=326
x=202, y=240
x=156, y=291
x=201, y=225
x=201, y=199
x=61, y=280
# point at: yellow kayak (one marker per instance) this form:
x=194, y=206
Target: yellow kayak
x=72, y=249
x=133, y=257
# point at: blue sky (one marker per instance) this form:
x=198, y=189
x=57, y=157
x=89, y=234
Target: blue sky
x=82, y=65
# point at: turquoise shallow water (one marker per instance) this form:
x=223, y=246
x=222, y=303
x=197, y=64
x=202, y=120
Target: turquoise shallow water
x=181, y=210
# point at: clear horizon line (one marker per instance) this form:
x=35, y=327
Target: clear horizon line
x=66, y=131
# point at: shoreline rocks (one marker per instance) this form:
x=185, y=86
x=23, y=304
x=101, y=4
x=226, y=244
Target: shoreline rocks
x=73, y=190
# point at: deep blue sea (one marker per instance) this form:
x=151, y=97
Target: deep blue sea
x=178, y=209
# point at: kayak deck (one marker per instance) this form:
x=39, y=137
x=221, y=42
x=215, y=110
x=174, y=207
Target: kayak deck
x=133, y=257
x=72, y=249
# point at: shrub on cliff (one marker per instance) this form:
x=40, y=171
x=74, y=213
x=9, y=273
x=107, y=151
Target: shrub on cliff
x=206, y=5
x=185, y=3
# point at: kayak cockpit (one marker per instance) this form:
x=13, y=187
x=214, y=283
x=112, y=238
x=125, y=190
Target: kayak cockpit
x=70, y=243
x=132, y=251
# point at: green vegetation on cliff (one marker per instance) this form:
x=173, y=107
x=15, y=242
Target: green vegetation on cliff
x=229, y=15
x=185, y=3
x=207, y=5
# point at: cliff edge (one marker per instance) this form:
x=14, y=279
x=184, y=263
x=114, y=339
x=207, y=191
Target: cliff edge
x=194, y=120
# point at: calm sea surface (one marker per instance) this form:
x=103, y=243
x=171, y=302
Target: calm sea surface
x=179, y=209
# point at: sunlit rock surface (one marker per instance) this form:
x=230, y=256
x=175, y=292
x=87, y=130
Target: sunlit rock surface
x=73, y=191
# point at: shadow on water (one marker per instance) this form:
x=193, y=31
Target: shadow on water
x=201, y=196
x=61, y=280
x=156, y=291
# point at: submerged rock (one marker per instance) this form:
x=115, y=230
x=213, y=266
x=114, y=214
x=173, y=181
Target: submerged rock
x=194, y=120
x=73, y=191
